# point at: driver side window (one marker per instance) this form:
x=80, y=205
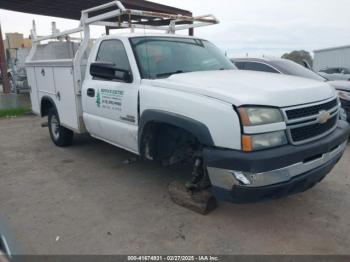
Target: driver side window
x=113, y=51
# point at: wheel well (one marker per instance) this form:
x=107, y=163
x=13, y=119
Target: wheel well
x=46, y=105
x=168, y=143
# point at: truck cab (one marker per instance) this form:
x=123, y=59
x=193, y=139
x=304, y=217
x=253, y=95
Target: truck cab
x=175, y=98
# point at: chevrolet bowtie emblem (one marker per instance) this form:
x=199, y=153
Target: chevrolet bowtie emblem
x=323, y=117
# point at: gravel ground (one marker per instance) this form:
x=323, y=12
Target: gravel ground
x=86, y=200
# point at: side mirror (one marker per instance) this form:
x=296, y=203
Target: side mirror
x=108, y=71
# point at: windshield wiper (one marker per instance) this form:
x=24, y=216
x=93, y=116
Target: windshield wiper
x=170, y=73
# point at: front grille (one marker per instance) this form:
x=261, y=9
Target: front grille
x=309, y=131
x=311, y=110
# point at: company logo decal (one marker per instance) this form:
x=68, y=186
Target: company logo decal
x=109, y=99
x=323, y=117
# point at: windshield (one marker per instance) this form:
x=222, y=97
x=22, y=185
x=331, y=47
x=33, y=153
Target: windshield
x=160, y=57
x=291, y=68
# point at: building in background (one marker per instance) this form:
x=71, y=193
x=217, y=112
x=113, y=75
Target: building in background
x=332, y=58
x=15, y=42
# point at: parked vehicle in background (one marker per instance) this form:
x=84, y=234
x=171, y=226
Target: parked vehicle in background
x=288, y=67
x=173, y=98
x=16, y=71
x=336, y=73
x=5, y=252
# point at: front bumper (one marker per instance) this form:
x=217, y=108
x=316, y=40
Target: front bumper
x=241, y=177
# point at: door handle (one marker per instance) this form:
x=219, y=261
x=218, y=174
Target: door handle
x=90, y=92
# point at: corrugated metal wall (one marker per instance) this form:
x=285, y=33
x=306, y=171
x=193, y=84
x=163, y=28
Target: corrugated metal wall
x=332, y=58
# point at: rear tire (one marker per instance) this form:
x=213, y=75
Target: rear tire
x=60, y=135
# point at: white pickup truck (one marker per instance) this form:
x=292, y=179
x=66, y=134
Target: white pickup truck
x=251, y=136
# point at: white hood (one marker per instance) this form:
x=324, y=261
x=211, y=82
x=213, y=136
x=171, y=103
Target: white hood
x=340, y=84
x=240, y=87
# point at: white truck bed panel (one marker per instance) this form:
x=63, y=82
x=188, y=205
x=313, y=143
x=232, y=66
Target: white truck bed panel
x=50, y=70
x=56, y=81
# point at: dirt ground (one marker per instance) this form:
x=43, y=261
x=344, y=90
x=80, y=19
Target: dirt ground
x=86, y=199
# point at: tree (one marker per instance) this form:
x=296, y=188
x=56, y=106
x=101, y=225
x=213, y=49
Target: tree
x=98, y=99
x=299, y=57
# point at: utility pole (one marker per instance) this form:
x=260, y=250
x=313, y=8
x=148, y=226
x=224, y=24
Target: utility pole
x=3, y=66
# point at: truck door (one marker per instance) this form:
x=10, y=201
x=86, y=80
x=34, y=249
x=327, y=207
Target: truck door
x=109, y=106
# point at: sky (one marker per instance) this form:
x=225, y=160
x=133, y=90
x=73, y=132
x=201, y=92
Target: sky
x=247, y=27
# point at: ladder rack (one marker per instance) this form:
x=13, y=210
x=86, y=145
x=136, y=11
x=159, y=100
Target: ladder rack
x=114, y=15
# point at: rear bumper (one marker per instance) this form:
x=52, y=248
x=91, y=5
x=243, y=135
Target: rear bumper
x=251, y=177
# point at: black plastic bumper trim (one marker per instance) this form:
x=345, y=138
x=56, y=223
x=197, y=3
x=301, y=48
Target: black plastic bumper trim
x=271, y=159
x=244, y=195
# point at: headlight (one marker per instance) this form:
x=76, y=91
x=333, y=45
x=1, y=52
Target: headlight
x=263, y=141
x=344, y=95
x=252, y=116
x=255, y=116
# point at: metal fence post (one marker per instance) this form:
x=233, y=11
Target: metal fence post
x=3, y=66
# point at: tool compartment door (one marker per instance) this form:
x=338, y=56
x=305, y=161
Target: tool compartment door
x=33, y=90
x=44, y=79
x=66, y=98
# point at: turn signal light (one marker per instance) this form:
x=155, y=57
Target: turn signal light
x=247, y=143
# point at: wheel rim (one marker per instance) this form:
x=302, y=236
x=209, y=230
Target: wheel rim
x=55, y=125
